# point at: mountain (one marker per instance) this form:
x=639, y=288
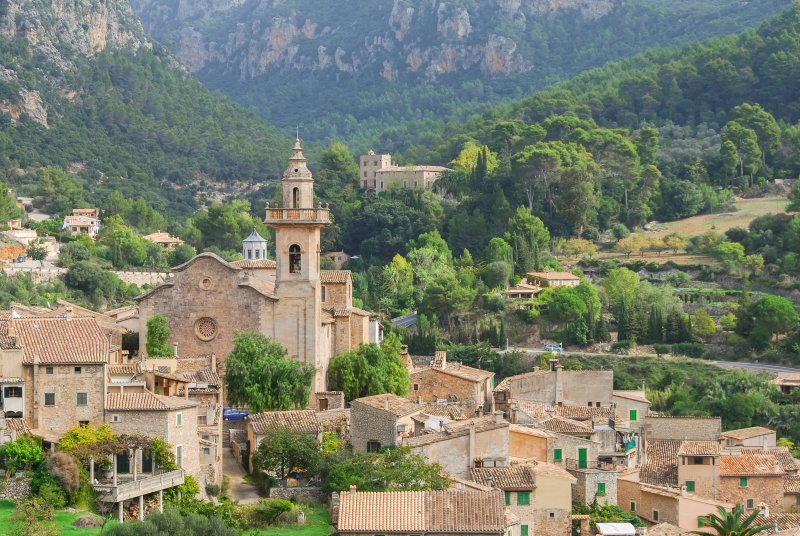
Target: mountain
x=82, y=88
x=378, y=71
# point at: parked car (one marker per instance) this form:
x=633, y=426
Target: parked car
x=21, y=258
x=556, y=348
x=234, y=414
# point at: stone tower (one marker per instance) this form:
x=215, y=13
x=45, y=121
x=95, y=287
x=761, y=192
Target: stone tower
x=254, y=247
x=297, y=283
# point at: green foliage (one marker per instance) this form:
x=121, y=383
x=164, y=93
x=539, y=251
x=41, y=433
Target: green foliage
x=259, y=375
x=370, y=370
x=158, y=334
x=689, y=349
x=330, y=443
x=174, y=523
x=283, y=450
x=76, y=439
x=392, y=470
x=101, y=287
x=735, y=522
x=33, y=517
x=22, y=454
x=606, y=513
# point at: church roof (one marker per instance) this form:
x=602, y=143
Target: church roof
x=297, y=170
x=334, y=276
x=204, y=255
x=254, y=237
x=251, y=264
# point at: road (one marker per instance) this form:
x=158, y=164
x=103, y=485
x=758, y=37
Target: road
x=405, y=321
x=240, y=490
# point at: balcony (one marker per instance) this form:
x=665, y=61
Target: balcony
x=299, y=216
x=141, y=486
x=585, y=465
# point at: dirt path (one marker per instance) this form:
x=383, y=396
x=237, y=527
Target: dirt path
x=240, y=490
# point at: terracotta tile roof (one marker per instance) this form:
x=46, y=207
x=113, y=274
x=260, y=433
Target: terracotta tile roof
x=782, y=454
x=455, y=429
x=747, y=433
x=527, y=430
x=699, y=448
x=458, y=370
x=7, y=342
x=326, y=317
x=565, y=426
x=5, y=314
x=553, y=276
x=780, y=520
x=750, y=464
x=396, y=405
x=59, y=340
x=666, y=529
x=206, y=375
x=265, y=288
x=447, y=511
x=17, y=425
x=163, y=238
x=661, y=468
x=631, y=396
x=450, y=411
x=250, y=264
x=579, y=413
x=515, y=477
x=303, y=421
x=553, y=470
x=359, y=312
x=791, y=484
x=334, y=276
x=146, y=401
x=126, y=369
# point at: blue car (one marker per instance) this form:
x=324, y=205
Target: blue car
x=234, y=414
x=553, y=348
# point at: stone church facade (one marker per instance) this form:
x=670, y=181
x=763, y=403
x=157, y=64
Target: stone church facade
x=208, y=300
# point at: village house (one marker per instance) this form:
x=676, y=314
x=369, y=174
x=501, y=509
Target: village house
x=538, y=494
x=339, y=258
x=523, y=291
x=379, y=173
x=786, y=383
x=751, y=480
x=165, y=240
x=406, y=513
x=381, y=421
x=755, y=436
x=434, y=416
x=452, y=382
x=207, y=300
x=553, y=279
x=83, y=221
x=300, y=421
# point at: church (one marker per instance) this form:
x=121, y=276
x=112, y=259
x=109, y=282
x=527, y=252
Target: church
x=208, y=300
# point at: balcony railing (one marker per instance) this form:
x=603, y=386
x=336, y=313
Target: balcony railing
x=297, y=215
x=586, y=465
x=142, y=486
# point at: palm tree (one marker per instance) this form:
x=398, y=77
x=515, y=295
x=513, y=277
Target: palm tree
x=734, y=523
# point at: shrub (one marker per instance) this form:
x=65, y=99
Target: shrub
x=63, y=468
x=620, y=231
x=53, y=494
x=33, y=517
x=265, y=512
x=622, y=346
x=528, y=316
x=24, y=453
x=661, y=349
x=688, y=349
x=212, y=490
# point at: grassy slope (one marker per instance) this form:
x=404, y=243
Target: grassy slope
x=318, y=523
x=63, y=521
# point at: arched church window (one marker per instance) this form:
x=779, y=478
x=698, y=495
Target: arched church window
x=296, y=198
x=294, y=259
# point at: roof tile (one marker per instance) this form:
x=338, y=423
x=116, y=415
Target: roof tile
x=146, y=401
x=303, y=421
x=61, y=340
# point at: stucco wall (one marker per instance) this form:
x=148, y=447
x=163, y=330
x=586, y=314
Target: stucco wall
x=526, y=446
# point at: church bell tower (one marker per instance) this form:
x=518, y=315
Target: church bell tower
x=297, y=283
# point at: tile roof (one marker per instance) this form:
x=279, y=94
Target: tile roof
x=146, y=401
x=782, y=454
x=781, y=521
x=553, y=276
x=396, y=405
x=553, y=470
x=661, y=468
x=582, y=413
x=61, y=340
x=528, y=430
x=699, y=448
x=7, y=342
x=17, y=425
x=124, y=369
x=250, y=264
x=565, y=426
x=206, y=375
x=666, y=529
x=450, y=411
x=750, y=464
x=163, y=238
x=791, y=484
x=515, y=477
x=303, y=421
x=747, y=433
x=459, y=371
x=447, y=511
x=455, y=429
x=334, y=276
x=630, y=396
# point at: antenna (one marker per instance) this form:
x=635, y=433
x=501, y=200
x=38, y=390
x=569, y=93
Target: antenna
x=298, y=132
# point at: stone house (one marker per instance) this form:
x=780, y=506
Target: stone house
x=208, y=300
x=172, y=419
x=791, y=493
x=553, y=279
x=632, y=405
x=698, y=467
x=686, y=428
x=434, y=417
x=463, y=445
x=538, y=494
x=752, y=480
x=755, y=436
x=165, y=240
x=379, y=173
x=301, y=421
x=125, y=378
x=447, y=512
x=329, y=400
x=381, y=421
x=453, y=382
x=786, y=383
x=83, y=221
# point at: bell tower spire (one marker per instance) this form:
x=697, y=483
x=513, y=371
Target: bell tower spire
x=298, y=183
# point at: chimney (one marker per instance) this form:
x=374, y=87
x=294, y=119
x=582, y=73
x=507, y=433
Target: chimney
x=764, y=510
x=214, y=362
x=386, y=404
x=352, y=490
x=175, y=349
x=68, y=312
x=498, y=417
x=12, y=331
x=471, y=446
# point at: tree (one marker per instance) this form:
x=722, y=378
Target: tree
x=8, y=205
x=282, y=450
x=635, y=243
x=703, y=325
x=259, y=375
x=674, y=242
x=794, y=198
x=775, y=314
x=577, y=246
x=529, y=237
x=734, y=523
x=396, y=469
x=158, y=333
x=619, y=284
x=37, y=252
x=33, y=516
x=24, y=453
x=760, y=121
x=748, y=153
x=57, y=192
x=370, y=370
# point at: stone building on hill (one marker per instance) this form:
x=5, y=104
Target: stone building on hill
x=379, y=173
x=208, y=300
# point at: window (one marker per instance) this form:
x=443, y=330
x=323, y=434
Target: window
x=416, y=387
x=373, y=446
x=12, y=392
x=179, y=419
x=523, y=530
x=601, y=488
x=655, y=515
x=116, y=418
x=324, y=293
x=296, y=198
x=206, y=451
x=633, y=506
x=597, y=404
x=82, y=399
x=523, y=498
x=83, y=424
x=179, y=455
x=633, y=415
x=258, y=254
x=697, y=460
x=797, y=500
x=401, y=428
x=749, y=504
x=202, y=420
x=49, y=399
x=249, y=254
x=48, y=370
x=77, y=370
x=552, y=515
x=743, y=482
x=557, y=456
x=690, y=485
x=294, y=259
x=508, y=498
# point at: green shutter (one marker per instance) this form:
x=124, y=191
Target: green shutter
x=749, y=504
x=655, y=515
x=523, y=530
x=601, y=488
x=508, y=498
x=633, y=415
x=690, y=485
x=797, y=500
x=743, y=482
x=583, y=458
x=557, y=455
x=523, y=498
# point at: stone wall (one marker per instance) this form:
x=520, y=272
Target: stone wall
x=15, y=489
x=43, y=275
x=371, y=424
x=569, y=446
x=432, y=384
x=585, y=489
x=336, y=421
x=298, y=494
x=767, y=489
x=228, y=427
x=65, y=383
x=686, y=428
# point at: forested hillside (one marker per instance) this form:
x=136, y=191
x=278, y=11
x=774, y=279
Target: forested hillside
x=92, y=96
x=394, y=66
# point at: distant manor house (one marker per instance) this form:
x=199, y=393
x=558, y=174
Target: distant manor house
x=378, y=173
x=290, y=300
